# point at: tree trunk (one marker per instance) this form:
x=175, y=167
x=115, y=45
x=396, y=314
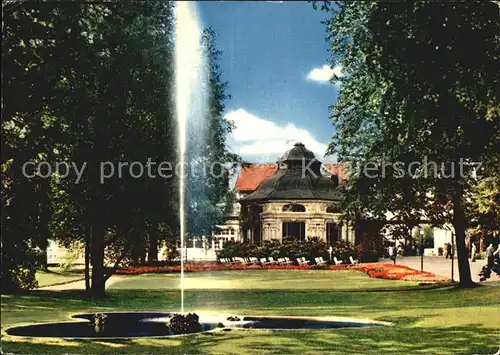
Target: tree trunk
x=135, y=253
x=153, y=247
x=142, y=257
x=125, y=252
x=87, y=261
x=97, y=250
x=459, y=223
x=410, y=237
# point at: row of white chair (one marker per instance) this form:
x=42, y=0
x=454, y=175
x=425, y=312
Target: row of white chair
x=339, y=262
x=282, y=261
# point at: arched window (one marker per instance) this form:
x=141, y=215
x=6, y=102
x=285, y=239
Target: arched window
x=293, y=207
x=333, y=209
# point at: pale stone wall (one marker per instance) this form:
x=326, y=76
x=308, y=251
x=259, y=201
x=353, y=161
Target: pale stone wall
x=315, y=218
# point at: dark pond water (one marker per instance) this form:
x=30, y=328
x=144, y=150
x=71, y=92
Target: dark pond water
x=151, y=324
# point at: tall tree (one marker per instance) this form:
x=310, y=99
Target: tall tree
x=131, y=41
x=88, y=83
x=411, y=91
x=36, y=40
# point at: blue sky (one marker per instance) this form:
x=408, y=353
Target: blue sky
x=273, y=59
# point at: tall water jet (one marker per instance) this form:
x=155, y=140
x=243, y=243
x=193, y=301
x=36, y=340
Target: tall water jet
x=191, y=109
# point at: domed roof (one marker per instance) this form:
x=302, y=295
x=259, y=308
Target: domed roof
x=299, y=178
x=297, y=153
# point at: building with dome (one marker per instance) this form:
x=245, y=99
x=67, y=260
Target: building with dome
x=298, y=197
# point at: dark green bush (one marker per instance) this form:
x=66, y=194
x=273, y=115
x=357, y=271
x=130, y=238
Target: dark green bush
x=19, y=265
x=310, y=249
x=369, y=251
x=20, y=279
x=245, y=250
x=184, y=323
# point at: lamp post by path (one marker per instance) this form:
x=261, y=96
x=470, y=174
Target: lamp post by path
x=452, y=255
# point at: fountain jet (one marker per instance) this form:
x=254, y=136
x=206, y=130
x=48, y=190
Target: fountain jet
x=190, y=85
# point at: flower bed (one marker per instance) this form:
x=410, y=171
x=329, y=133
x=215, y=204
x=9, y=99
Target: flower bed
x=397, y=272
x=202, y=267
x=379, y=271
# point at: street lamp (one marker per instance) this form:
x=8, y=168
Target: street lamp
x=452, y=254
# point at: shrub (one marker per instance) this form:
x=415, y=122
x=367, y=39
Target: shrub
x=184, y=324
x=343, y=250
x=19, y=279
x=19, y=268
x=171, y=252
x=244, y=250
x=292, y=248
x=367, y=252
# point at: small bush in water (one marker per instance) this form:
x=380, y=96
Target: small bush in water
x=184, y=323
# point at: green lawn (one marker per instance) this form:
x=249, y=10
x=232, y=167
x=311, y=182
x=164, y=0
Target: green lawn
x=57, y=276
x=263, y=280
x=426, y=321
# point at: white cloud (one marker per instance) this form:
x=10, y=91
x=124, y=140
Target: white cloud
x=324, y=74
x=260, y=140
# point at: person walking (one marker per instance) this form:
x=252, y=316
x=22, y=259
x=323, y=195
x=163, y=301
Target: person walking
x=394, y=254
x=489, y=256
x=448, y=250
x=497, y=253
x=473, y=251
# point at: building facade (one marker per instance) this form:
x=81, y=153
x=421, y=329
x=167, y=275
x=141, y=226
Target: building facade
x=295, y=198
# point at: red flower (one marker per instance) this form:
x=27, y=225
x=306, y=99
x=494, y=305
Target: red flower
x=380, y=271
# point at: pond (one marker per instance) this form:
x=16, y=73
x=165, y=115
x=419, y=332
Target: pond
x=156, y=324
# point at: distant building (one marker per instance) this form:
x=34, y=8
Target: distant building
x=58, y=255
x=297, y=197
x=283, y=199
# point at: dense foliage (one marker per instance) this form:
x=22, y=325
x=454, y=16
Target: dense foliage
x=92, y=84
x=411, y=93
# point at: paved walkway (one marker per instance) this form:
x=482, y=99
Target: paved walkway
x=79, y=285
x=441, y=266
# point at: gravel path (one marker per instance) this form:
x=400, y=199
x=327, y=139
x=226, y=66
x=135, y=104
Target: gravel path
x=79, y=285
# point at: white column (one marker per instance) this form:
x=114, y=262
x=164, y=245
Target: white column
x=352, y=235
x=344, y=232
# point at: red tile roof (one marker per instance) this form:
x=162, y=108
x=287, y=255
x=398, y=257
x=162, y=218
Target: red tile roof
x=252, y=175
x=338, y=169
